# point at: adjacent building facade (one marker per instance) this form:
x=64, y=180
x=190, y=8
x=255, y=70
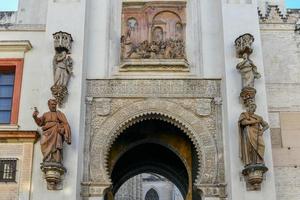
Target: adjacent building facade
x=201, y=92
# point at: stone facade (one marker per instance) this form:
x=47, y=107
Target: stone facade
x=198, y=94
x=279, y=33
x=19, y=147
x=181, y=102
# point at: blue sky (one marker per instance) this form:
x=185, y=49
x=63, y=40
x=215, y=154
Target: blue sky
x=292, y=3
x=8, y=5
x=12, y=5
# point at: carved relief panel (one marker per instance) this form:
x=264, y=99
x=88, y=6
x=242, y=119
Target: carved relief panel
x=153, y=31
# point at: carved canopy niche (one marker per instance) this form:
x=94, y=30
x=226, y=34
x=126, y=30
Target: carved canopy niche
x=153, y=35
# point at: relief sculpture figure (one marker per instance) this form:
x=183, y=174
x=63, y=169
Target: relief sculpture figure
x=248, y=71
x=252, y=128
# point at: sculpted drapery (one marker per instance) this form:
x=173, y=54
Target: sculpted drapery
x=56, y=130
x=248, y=71
x=252, y=145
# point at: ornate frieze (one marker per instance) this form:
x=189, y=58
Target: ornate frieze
x=153, y=88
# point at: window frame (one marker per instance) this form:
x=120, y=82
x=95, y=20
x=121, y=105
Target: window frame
x=16, y=65
x=13, y=171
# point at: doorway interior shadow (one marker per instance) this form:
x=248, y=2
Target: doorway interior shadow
x=153, y=146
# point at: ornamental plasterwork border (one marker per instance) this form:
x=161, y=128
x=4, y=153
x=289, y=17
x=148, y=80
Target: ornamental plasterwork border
x=121, y=103
x=196, y=88
x=195, y=127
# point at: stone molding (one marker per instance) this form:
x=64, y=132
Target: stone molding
x=15, y=45
x=19, y=136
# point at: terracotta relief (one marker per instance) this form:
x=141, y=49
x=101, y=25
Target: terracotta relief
x=153, y=30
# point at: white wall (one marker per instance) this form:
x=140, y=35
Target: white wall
x=32, y=12
x=68, y=16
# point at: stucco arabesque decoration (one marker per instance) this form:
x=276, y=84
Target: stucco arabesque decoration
x=62, y=66
x=251, y=126
x=128, y=112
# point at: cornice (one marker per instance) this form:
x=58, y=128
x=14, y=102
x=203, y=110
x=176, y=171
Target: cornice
x=15, y=45
x=8, y=136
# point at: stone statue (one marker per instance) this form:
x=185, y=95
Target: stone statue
x=252, y=128
x=62, y=65
x=56, y=130
x=248, y=71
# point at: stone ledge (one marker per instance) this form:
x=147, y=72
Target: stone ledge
x=18, y=136
x=15, y=45
x=140, y=65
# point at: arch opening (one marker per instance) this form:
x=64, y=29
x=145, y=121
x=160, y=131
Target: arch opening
x=154, y=146
x=148, y=186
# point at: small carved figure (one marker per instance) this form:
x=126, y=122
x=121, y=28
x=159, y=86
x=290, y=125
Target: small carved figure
x=252, y=128
x=248, y=71
x=56, y=130
x=62, y=65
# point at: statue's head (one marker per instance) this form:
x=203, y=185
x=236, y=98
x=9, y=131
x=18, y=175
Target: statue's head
x=52, y=103
x=251, y=108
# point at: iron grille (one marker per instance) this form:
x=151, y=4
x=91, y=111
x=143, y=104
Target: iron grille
x=8, y=169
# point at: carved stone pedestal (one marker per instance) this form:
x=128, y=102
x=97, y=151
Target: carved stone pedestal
x=53, y=174
x=248, y=95
x=59, y=92
x=254, y=175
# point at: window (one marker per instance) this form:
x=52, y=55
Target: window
x=8, y=169
x=6, y=95
x=10, y=89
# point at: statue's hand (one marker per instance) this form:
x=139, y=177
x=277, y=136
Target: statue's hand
x=35, y=114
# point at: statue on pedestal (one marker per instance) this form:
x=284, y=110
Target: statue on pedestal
x=252, y=146
x=252, y=127
x=56, y=131
x=62, y=66
x=247, y=68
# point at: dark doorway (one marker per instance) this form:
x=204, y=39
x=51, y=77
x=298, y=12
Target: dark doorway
x=154, y=146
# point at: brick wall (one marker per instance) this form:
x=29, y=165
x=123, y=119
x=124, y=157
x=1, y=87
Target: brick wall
x=23, y=152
